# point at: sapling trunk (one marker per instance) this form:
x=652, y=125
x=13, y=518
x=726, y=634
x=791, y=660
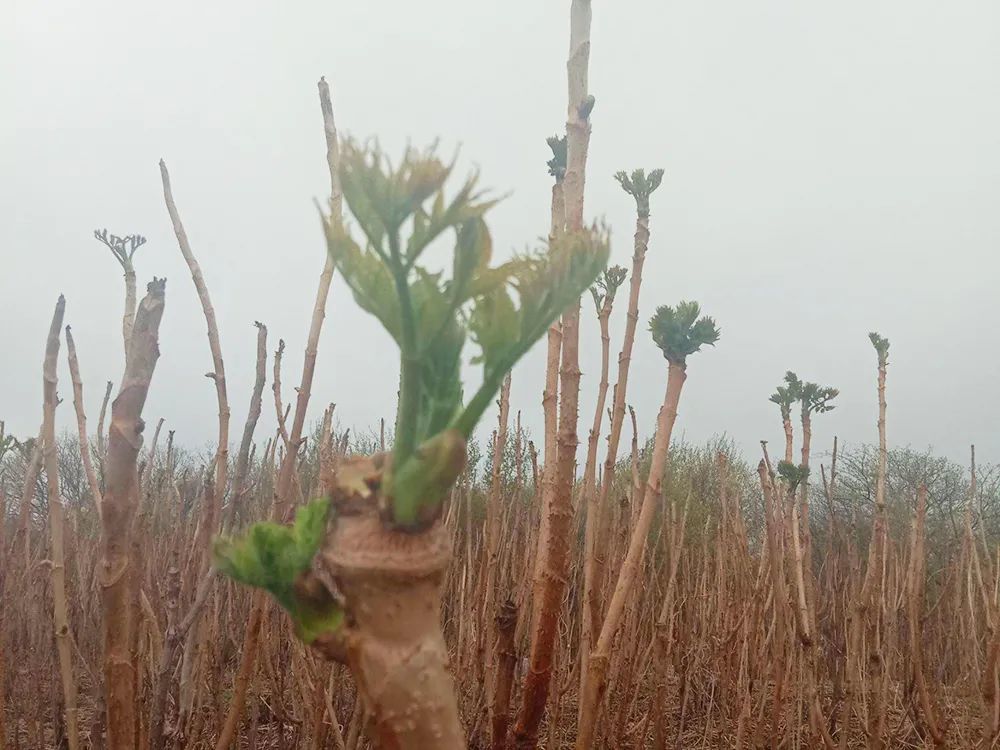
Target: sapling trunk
x=21, y=531
x=60, y=609
x=550, y=395
x=553, y=550
x=117, y=512
x=604, y=297
x=494, y=510
x=639, y=186
x=598, y=660
x=391, y=581
x=81, y=420
x=879, y=681
x=915, y=605
x=198, y=637
x=253, y=414
x=678, y=332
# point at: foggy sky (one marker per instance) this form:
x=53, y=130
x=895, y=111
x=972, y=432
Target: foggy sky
x=831, y=168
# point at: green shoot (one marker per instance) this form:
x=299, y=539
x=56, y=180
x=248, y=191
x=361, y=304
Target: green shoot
x=274, y=557
x=505, y=309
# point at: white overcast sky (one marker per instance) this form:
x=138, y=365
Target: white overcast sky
x=831, y=168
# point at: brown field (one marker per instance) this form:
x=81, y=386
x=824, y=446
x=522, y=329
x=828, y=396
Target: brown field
x=502, y=594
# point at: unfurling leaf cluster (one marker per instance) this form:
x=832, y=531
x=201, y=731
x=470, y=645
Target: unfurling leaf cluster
x=817, y=399
x=814, y=398
x=784, y=397
x=401, y=210
x=607, y=286
x=792, y=474
x=557, y=164
x=640, y=186
x=881, y=345
x=275, y=557
x=679, y=332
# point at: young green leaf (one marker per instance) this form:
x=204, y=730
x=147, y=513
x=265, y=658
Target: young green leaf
x=273, y=557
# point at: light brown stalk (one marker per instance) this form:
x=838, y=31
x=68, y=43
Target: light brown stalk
x=590, y=622
x=879, y=681
x=915, y=605
x=490, y=647
x=128, y=316
x=505, y=659
x=218, y=374
x=663, y=635
x=21, y=531
x=172, y=640
x=597, y=664
x=253, y=414
x=60, y=608
x=81, y=420
x=101, y=442
x=286, y=472
x=304, y=390
x=119, y=505
x=779, y=598
x=617, y=419
x=197, y=638
x=553, y=550
x=550, y=414
x=392, y=583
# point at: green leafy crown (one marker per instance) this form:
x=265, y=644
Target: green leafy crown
x=679, y=332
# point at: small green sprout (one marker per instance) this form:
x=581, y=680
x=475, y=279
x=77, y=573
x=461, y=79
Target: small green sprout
x=274, y=557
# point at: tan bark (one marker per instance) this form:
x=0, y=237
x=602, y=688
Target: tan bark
x=218, y=374
x=176, y=630
x=491, y=636
x=915, y=605
x=664, y=632
x=253, y=414
x=118, y=510
x=197, y=636
x=21, y=531
x=60, y=609
x=550, y=413
x=128, y=317
x=617, y=419
x=589, y=622
x=879, y=680
x=553, y=550
x=81, y=420
x=505, y=657
x=319, y=308
x=101, y=442
x=779, y=598
x=391, y=582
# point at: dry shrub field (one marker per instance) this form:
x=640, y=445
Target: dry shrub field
x=443, y=589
